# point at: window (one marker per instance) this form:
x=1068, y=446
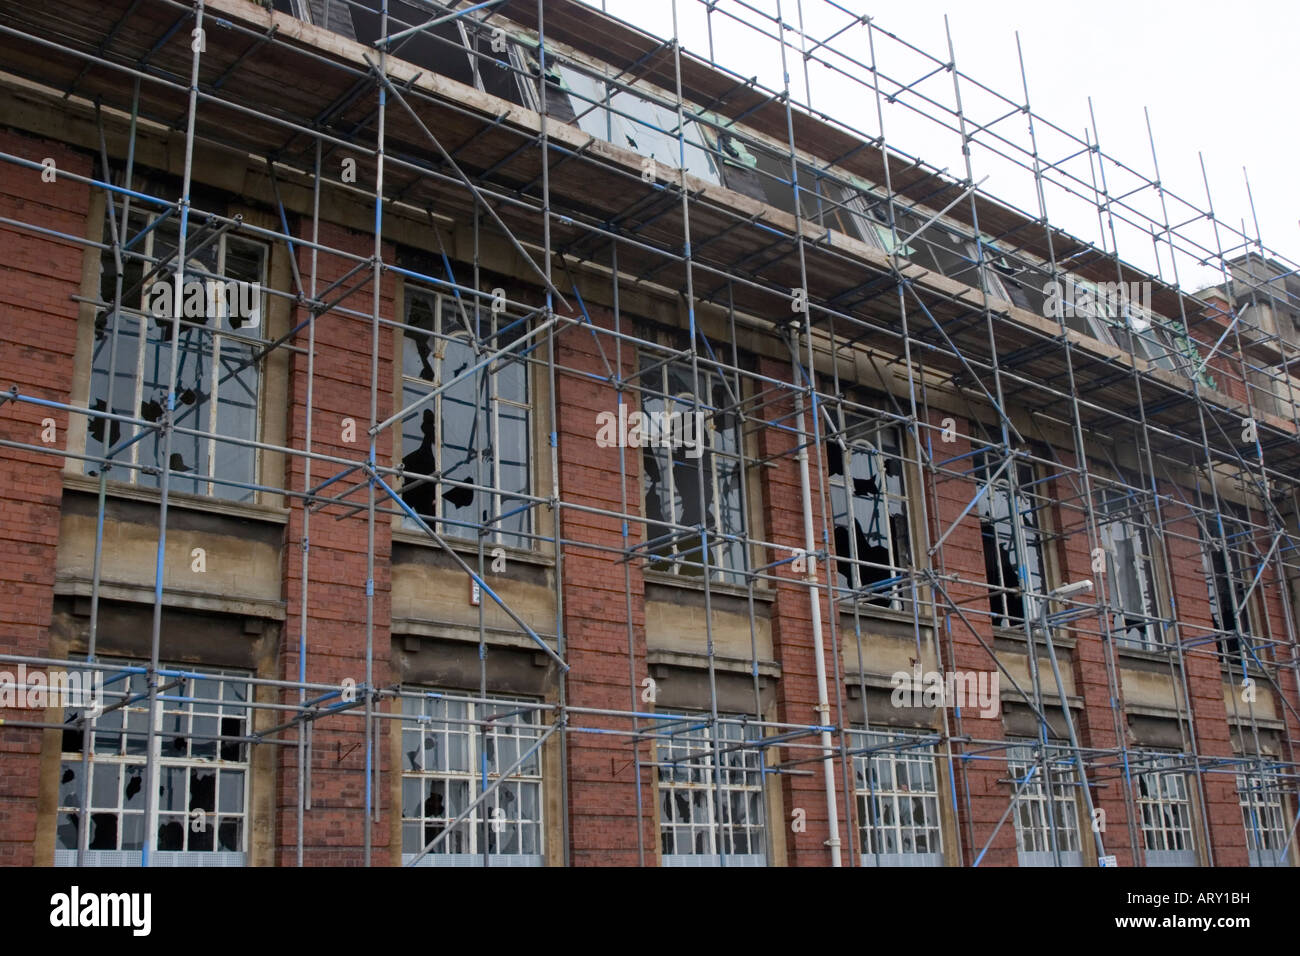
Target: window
x=466, y=453
x=1131, y=594
x=1003, y=565
x=672, y=470
x=633, y=122
x=897, y=793
x=699, y=821
x=1226, y=579
x=869, y=510
x=1165, y=809
x=445, y=756
x=202, y=785
x=218, y=375
x=1035, y=814
x=1262, y=814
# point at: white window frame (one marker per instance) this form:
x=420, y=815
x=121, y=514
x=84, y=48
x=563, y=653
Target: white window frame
x=1264, y=818
x=1033, y=832
x=869, y=440
x=610, y=113
x=140, y=317
x=684, y=755
x=1164, y=806
x=1118, y=523
x=994, y=509
x=1235, y=530
x=135, y=716
x=432, y=719
x=727, y=559
x=447, y=326
x=892, y=782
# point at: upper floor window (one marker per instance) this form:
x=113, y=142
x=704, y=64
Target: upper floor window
x=1013, y=576
x=466, y=452
x=1226, y=564
x=202, y=781
x=448, y=747
x=704, y=816
x=897, y=790
x=218, y=365
x=693, y=474
x=869, y=511
x=1125, y=539
x=639, y=123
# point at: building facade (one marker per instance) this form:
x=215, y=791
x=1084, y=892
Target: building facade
x=499, y=437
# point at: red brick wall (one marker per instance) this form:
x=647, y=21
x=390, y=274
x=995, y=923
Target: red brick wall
x=602, y=773
x=1095, y=724
x=336, y=635
x=38, y=328
x=1205, y=685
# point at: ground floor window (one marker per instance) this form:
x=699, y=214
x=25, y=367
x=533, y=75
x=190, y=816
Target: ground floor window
x=1263, y=816
x=703, y=818
x=897, y=792
x=202, y=781
x=1044, y=811
x=454, y=749
x=1165, y=809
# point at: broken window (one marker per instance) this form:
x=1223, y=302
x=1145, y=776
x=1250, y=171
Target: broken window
x=1012, y=576
x=1165, y=810
x=703, y=818
x=869, y=511
x=442, y=48
x=465, y=453
x=1039, y=819
x=1227, y=576
x=218, y=372
x=1125, y=539
x=446, y=746
x=1267, y=834
x=203, y=775
x=692, y=470
x=897, y=791
x=633, y=122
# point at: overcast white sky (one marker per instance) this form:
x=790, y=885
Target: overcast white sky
x=1219, y=79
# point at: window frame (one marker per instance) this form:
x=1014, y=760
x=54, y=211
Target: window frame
x=1260, y=797
x=999, y=489
x=1032, y=803
x=1118, y=510
x=209, y=483
x=874, y=437
x=411, y=387
x=417, y=717
x=898, y=753
x=742, y=763
x=189, y=763
x=1154, y=799
x=721, y=571
x=1232, y=587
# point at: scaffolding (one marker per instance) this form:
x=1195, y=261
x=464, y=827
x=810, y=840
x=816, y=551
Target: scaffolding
x=906, y=299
